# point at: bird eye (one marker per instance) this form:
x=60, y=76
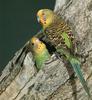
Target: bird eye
x=42, y=13
x=32, y=43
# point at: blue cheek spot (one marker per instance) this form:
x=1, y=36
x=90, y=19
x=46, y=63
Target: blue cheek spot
x=44, y=18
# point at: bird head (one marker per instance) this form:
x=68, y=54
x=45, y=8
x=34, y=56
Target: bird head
x=37, y=45
x=45, y=17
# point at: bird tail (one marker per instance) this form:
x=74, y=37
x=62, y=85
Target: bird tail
x=76, y=66
x=75, y=63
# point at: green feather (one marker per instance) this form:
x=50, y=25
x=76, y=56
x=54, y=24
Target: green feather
x=41, y=58
x=76, y=66
x=66, y=39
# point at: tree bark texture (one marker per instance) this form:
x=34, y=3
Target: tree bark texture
x=20, y=79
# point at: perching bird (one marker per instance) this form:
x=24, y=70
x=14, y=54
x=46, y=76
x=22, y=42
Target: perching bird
x=40, y=52
x=61, y=36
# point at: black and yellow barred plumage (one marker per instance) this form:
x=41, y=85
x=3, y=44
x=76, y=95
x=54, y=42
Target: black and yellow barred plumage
x=55, y=30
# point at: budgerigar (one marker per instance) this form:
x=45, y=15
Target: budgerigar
x=61, y=36
x=40, y=52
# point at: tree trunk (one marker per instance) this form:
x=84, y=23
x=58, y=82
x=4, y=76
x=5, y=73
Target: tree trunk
x=20, y=79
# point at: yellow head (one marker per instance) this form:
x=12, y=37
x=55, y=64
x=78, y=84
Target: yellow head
x=45, y=17
x=38, y=46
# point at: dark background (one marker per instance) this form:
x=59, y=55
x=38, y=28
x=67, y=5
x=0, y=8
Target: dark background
x=17, y=24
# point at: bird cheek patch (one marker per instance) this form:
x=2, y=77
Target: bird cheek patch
x=43, y=22
x=43, y=19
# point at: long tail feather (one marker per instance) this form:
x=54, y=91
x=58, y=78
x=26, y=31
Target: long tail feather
x=76, y=66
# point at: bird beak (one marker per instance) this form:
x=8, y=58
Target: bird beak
x=38, y=19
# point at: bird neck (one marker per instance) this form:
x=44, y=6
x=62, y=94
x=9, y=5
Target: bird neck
x=51, y=21
x=42, y=52
x=43, y=55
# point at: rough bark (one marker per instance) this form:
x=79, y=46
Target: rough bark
x=21, y=81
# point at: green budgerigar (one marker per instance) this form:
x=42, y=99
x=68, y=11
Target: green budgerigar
x=40, y=52
x=61, y=36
